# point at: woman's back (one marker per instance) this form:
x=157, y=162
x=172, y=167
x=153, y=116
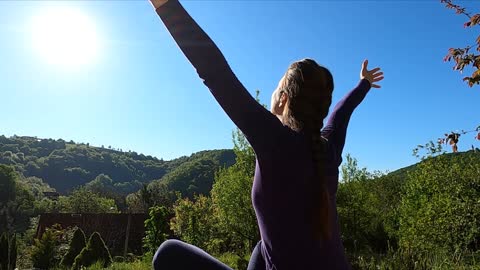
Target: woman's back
x=282, y=195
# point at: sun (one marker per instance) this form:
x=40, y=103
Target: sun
x=65, y=36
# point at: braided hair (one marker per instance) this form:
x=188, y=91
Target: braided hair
x=309, y=88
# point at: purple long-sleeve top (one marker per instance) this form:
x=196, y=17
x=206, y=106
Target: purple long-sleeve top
x=282, y=193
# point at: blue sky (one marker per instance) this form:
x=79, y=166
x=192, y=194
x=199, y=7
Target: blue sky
x=141, y=94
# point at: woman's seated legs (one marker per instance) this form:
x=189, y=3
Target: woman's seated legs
x=175, y=254
x=256, y=260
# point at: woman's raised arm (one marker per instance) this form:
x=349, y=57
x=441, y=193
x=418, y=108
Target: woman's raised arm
x=260, y=127
x=336, y=128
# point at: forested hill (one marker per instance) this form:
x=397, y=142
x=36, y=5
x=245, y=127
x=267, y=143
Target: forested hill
x=66, y=165
x=451, y=157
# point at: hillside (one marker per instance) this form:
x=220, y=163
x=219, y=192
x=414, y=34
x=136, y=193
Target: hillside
x=453, y=157
x=66, y=165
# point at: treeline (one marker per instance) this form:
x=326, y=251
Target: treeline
x=67, y=165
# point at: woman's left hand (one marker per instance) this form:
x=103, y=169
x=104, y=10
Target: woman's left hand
x=372, y=76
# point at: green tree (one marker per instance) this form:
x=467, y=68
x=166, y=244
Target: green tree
x=464, y=57
x=428, y=150
x=76, y=245
x=8, y=193
x=156, y=228
x=12, y=249
x=7, y=184
x=95, y=251
x=231, y=195
x=357, y=205
x=440, y=208
x=43, y=251
x=82, y=200
x=8, y=251
x=102, y=185
x=3, y=251
x=195, y=222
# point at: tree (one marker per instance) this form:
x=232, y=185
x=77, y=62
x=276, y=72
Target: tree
x=12, y=249
x=428, y=150
x=8, y=251
x=358, y=208
x=102, y=185
x=440, y=208
x=195, y=222
x=231, y=195
x=95, y=251
x=7, y=184
x=156, y=228
x=76, y=245
x=43, y=252
x=463, y=57
x=8, y=193
x=3, y=251
x=83, y=201
x=16, y=201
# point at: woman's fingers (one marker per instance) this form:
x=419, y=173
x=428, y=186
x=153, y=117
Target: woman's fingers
x=374, y=70
x=376, y=86
x=377, y=74
x=365, y=64
x=378, y=79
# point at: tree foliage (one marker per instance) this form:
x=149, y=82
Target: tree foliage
x=43, y=252
x=95, y=251
x=84, y=201
x=231, y=195
x=440, y=208
x=66, y=165
x=8, y=251
x=196, y=222
x=76, y=245
x=358, y=205
x=157, y=228
x=469, y=55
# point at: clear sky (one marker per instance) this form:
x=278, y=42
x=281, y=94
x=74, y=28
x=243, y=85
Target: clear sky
x=138, y=92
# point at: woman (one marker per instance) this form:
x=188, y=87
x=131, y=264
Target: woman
x=296, y=174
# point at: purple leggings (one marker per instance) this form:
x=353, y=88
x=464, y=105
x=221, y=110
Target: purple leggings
x=177, y=255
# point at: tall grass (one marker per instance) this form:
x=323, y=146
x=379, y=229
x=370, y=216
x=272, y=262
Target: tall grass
x=404, y=259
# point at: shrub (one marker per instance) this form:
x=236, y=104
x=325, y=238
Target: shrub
x=43, y=253
x=94, y=252
x=76, y=245
x=440, y=209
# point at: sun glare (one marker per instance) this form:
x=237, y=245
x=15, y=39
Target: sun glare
x=65, y=36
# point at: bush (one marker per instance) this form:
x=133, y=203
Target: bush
x=12, y=249
x=156, y=228
x=94, y=252
x=234, y=261
x=76, y=245
x=43, y=253
x=440, y=209
x=8, y=252
x=3, y=250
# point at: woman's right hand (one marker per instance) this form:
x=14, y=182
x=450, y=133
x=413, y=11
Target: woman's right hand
x=158, y=3
x=372, y=76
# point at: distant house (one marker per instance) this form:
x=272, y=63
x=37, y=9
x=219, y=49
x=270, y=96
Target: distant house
x=51, y=195
x=114, y=228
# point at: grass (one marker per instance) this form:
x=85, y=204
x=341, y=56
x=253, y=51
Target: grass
x=142, y=263
x=414, y=260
